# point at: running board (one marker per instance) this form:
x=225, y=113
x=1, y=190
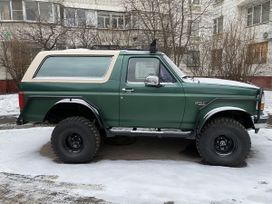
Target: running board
x=152, y=132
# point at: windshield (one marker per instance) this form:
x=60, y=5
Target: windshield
x=174, y=66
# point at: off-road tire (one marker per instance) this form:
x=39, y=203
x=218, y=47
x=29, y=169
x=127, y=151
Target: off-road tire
x=207, y=142
x=89, y=139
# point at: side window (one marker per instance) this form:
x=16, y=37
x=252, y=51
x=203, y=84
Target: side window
x=140, y=68
x=75, y=66
x=165, y=76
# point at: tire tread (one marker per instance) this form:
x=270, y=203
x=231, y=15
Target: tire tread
x=222, y=121
x=90, y=124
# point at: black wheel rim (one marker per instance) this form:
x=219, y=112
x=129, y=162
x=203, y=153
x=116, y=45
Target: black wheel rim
x=224, y=145
x=73, y=142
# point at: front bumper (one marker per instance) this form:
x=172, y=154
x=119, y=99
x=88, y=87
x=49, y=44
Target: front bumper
x=260, y=122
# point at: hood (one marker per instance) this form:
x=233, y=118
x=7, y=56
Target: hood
x=221, y=82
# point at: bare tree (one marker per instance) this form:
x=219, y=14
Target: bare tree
x=169, y=21
x=15, y=57
x=229, y=55
x=45, y=35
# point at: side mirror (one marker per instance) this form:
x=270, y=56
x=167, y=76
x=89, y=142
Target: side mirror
x=152, y=80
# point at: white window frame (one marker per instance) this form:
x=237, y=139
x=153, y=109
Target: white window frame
x=216, y=25
x=55, y=15
x=195, y=2
x=117, y=17
x=111, y=16
x=10, y=12
x=24, y=13
x=252, y=13
x=23, y=10
x=103, y=15
x=77, y=24
x=52, y=9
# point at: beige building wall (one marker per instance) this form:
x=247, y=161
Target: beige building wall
x=237, y=11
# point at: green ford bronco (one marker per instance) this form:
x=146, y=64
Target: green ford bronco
x=95, y=94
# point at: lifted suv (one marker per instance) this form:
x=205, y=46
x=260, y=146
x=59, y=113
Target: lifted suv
x=92, y=94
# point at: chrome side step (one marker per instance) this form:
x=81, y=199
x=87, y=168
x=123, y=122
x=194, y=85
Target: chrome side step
x=153, y=132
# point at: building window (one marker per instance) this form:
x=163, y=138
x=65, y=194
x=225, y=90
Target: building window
x=218, y=1
x=90, y=17
x=193, y=58
x=70, y=17
x=217, y=55
x=218, y=25
x=193, y=28
x=47, y=12
x=17, y=10
x=32, y=11
x=258, y=14
x=115, y=21
x=265, y=12
x=56, y=13
x=5, y=10
x=128, y=21
x=103, y=20
x=41, y=11
x=194, y=1
x=79, y=17
x=258, y=53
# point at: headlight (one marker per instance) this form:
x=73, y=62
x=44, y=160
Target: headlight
x=261, y=103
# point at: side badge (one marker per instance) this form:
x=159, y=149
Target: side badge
x=200, y=103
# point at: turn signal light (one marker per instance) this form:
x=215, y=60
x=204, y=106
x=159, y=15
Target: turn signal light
x=21, y=100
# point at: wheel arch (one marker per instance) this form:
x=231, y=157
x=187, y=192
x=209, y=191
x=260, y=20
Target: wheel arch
x=68, y=107
x=236, y=113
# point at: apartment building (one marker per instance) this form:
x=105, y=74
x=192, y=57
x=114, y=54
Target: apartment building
x=101, y=15
x=116, y=28
x=255, y=16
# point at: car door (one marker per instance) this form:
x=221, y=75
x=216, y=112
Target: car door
x=146, y=106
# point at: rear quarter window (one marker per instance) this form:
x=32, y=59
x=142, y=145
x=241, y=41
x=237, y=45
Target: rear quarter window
x=74, y=67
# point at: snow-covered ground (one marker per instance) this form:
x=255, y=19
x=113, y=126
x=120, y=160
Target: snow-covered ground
x=9, y=104
x=30, y=172
x=268, y=102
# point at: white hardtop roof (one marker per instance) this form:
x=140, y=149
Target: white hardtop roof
x=79, y=51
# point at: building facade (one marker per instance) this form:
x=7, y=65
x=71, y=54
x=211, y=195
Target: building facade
x=108, y=18
x=112, y=27
x=255, y=16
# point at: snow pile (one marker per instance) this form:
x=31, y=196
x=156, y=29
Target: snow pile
x=144, y=181
x=9, y=104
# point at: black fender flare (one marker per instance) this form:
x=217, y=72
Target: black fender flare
x=82, y=102
x=203, y=120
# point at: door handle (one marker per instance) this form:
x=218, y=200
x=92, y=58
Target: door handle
x=128, y=90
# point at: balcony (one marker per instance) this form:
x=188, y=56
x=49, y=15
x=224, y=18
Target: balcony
x=242, y=3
